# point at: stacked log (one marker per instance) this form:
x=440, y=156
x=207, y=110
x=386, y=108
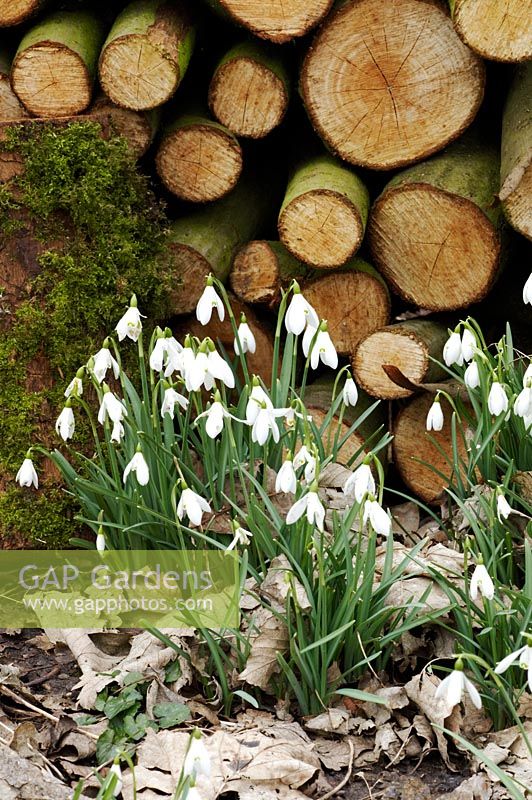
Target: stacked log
x=388, y=87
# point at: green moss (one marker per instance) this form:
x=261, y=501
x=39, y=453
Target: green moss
x=85, y=193
x=44, y=518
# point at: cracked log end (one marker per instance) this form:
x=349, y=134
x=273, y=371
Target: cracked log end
x=500, y=30
x=276, y=21
x=51, y=80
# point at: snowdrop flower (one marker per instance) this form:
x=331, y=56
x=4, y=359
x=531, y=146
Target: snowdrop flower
x=197, y=760
x=292, y=413
x=100, y=540
x=360, y=483
x=310, y=469
x=286, y=480
x=130, y=325
x=139, y=466
x=350, y=392
x=300, y=313
x=471, y=376
x=306, y=458
x=527, y=291
x=380, y=521
x=266, y=423
x=216, y=414
x=523, y=403
x=111, y=407
x=170, y=400
x=524, y=658
x=481, y=582
x=452, y=350
x=193, y=794
x=219, y=368
x=209, y=300
x=65, y=423
x=452, y=688
x=192, y=505
x=27, y=475
x=497, y=399
x=468, y=344
x=166, y=353
x=242, y=537
x=115, y=770
x=527, y=377
x=504, y=509
x=75, y=387
x=257, y=399
x=103, y=361
x=435, y=416
x=245, y=338
x=322, y=350
x=311, y=504
x=117, y=434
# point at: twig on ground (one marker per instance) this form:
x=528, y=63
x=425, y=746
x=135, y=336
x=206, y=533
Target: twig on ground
x=347, y=775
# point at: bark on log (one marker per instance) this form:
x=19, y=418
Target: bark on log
x=137, y=127
x=146, y=54
x=54, y=67
x=249, y=90
x=261, y=269
x=433, y=231
x=389, y=83
x=497, y=29
x=10, y=106
x=207, y=240
x=260, y=362
x=318, y=399
x=354, y=301
x=324, y=213
x=516, y=153
x=412, y=445
x=12, y=12
x=198, y=159
x=409, y=346
x=275, y=21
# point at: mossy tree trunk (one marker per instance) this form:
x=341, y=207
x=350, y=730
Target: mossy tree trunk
x=516, y=153
x=434, y=230
x=249, y=90
x=408, y=346
x=261, y=269
x=146, y=54
x=54, y=67
x=198, y=159
x=500, y=30
x=324, y=212
x=389, y=83
x=272, y=20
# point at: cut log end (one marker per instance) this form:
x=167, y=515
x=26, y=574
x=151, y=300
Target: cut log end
x=51, y=80
x=255, y=274
x=496, y=29
x=386, y=84
x=322, y=228
x=133, y=126
x=247, y=97
x=517, y=203
x=199, y=162
x=13, y=12
x=190, y=269
x=437, y=249
x=353, y=303
x=417, y=457
x=276, y=21
x=354, y=444
x=10, y=106
x=137, y=74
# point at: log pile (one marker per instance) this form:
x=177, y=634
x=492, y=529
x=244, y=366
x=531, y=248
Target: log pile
x=365, y=160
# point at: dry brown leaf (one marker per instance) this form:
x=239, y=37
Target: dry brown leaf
x=421, y=690
x=271, y=639
x=475, y=788
x=277, y=583
x=334, y=720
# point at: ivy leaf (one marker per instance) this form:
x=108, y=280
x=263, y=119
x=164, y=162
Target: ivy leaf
x=169, y=715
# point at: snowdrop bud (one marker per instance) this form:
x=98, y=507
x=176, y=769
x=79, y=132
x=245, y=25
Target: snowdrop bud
x=504, y=509
x=100, y=540
x=468, y=344
x=471, y=376
x=497, y=399
x=452, y=350
x=130, y=325
x=65, y=423
x=481, y=582
x=115, y=769
x=350, y=392
x=299, y=313
x=452, y=688
x=139, y=466
x=286, y=480
x=27, y=476
x=527, y=291
x=435, y=416
x=245, y=338
x=209, y=299
x=197, y=760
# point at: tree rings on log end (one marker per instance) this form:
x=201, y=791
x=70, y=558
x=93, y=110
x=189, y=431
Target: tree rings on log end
x=496, y=29
x=388, y=83
x=199, y=162
x=247, y=97
x=437, y=249
x=12, y=12
x=51, y=80
x=255, y=275
x=276, y=21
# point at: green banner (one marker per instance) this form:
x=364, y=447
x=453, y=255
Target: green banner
x=119, y=589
